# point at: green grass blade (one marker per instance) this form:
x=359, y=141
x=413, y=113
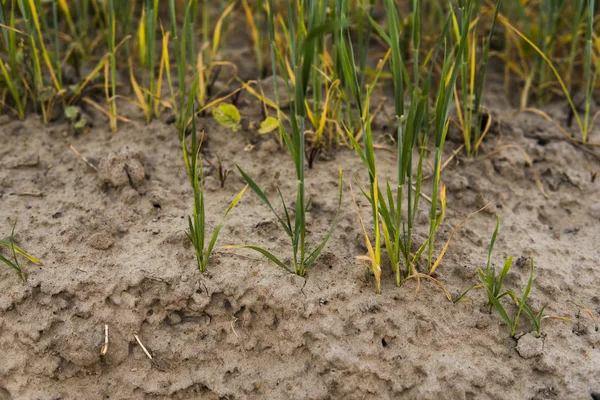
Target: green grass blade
x=215, y=234
x=503, y=274
x=263, y=197
x=491, y=246
x=500, y=310
x=264, y=252
x=523, y=299
x=18, y=250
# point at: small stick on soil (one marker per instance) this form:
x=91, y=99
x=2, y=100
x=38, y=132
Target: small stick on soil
x=82, y=158
x=233, y=321
x=450, y=158
x=104, y=348
x=31, y=194
x=137, y=338
x=30, y=163
x=423, y=195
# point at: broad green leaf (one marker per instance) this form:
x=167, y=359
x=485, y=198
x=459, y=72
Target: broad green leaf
x=227, y=115
x=80, y=124
x=71, y=112
x=268, y=125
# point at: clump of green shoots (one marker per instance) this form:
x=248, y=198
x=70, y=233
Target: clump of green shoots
x=493, y=282
x=111, y=77
x=387, y=204
x=546, y=64
x=472, y=81
x=197, y=222
x=11, y=79
x=149, y=96
x=302, y=37
x=14, y=263
x=204, y=63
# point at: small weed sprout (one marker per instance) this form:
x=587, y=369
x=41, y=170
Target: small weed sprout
x=302, y=39
x=76, y=119
x=14, y=263
x=493, y=283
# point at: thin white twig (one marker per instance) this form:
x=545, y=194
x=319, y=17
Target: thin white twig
x=142, y=346
x=104, y=348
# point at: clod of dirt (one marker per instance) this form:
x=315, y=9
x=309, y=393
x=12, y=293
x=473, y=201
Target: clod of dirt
x=101, y=241
x=530, y=346
x=125, y=167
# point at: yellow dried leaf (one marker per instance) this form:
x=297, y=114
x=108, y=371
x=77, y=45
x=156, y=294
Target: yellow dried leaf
x=268, y=125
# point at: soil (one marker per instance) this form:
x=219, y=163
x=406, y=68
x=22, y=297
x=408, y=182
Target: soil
x=114, y=252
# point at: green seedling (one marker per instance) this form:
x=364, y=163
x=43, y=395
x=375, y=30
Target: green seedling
x=590, y=71
x=111, y=70
x=302, y=38
x=11, y=79
x=77, y=120
x=14, y=263
x=197, y=233
x=413, y=123
x=493, y=283
x=473, y=76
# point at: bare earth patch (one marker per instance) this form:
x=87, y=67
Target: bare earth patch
x=114, y=252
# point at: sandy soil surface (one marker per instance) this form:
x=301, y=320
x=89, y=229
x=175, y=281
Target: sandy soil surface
x=114, y=253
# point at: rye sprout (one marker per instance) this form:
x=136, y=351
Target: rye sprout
x=493, y=282
x=387, y=204
x=43, y=94
x=11, y=78
x=111, y=66
x=472, y=82
x=302, y=37
x=590, y=73
x=149, y=97
x=197, y=222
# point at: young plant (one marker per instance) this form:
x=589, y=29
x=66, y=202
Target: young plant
x=302, y=38
x=590, y=71
x=197, y=222
x=490, y=280
x=537, y=318
x=493, y=283
x=149, y=97
x=11, y=79
x=472, y=82
x=520, y=302
x=207, y=65
x=76, y=119
x=388, y=205
x=110, y=71
x=43, y=94
x=14, y=263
